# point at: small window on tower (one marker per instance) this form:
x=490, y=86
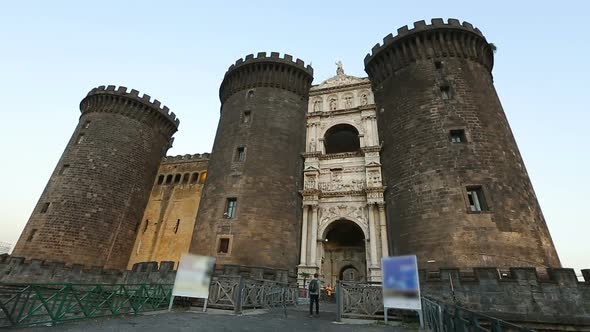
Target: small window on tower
x=177, y=178
x=169, y=179
x=476, y=199
x=87, y=125
x=64, y=169
x=176, y=227
x=438, y=64
x=230, y=208
x=203, y=177
x=160, y=179
x=445, y=92
x=45, y=207
x=246, y=117
x=80, y=139
x=223, y=246
x=145, y=226
x=31, y=235
x=458, y=136
x=240, y=154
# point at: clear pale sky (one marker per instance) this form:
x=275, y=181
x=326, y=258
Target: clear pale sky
x=53, y=52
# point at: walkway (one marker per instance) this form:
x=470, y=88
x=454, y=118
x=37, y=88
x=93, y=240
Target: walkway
x=217, y=320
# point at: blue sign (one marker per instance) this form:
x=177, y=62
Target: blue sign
x=401, y=287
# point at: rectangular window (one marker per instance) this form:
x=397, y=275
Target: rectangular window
x=87, y=125
x=246, y=117
x=177, y=225
x=80, y=139
x=446, y=92
x=32, y=235
x=240, y=154
x=476, y=198
x=45, y=207
x=458, y=136
x=147, y=222
x=64, y=169
x=438, y=64
x=230, y=208
x=223, y=246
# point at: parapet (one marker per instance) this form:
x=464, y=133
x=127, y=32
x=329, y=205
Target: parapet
x=16, y=270
x=98, y=100
x=555, y=276
x=267, y=71
x=186, y=158
x=438, y=39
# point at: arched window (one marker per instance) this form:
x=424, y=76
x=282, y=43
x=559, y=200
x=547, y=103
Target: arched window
x=177, y=178
x=169, y=179
x=185, y=178
x=195, y=178
x=342, y=138
x=160, y=179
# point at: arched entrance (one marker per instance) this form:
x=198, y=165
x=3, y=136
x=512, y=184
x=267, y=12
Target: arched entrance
x=344, y=255
x=342, y=138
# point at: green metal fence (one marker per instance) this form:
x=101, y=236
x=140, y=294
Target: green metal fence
x=33, y=304
x=441, y=317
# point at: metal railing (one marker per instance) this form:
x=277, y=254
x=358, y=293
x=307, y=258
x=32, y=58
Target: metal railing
x=238, y=293
x=33, y=304
x=365, y=300
x=442, y=317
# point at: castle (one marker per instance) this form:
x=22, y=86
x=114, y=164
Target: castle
x=417, y=158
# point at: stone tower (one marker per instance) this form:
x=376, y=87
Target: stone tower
x=250, y=211
x=458, y=193
x=91, y=208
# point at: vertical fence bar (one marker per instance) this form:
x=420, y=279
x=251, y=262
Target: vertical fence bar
x=338, y=301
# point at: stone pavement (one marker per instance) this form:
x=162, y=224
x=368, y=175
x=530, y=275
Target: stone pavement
x=216, y=320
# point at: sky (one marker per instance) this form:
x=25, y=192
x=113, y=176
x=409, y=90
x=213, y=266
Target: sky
x=53, y=52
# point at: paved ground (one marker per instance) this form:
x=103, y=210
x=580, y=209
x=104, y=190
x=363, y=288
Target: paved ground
x=259, y=320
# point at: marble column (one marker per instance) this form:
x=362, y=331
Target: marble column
x=383, y=224
x=303, y=261
x=314, y=235
x=372, y=235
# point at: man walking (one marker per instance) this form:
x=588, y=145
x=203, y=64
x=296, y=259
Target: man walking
x=314, y=295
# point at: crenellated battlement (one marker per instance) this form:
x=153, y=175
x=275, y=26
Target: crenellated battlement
x=559, y=276
x=113, y=99
x=427, y=41
x=16, y=270
x=267, y=71
x=186, y=158
x=274, y=57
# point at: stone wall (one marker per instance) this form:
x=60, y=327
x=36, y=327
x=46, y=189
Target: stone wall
x=554, y=296
x=445, y=135
x=256, y=163
x=89, y=210
x=166, y=229
x=16, y=270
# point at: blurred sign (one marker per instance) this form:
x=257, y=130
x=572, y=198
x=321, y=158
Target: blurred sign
x=193, y=276
x=401, y=287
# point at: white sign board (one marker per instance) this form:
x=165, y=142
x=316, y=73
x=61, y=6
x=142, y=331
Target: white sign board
x=401, y=287
x=193, y=276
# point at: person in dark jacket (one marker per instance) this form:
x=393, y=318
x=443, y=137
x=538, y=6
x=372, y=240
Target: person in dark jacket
x=314, y=295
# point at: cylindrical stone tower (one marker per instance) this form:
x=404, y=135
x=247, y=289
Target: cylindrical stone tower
x=89, y=211
x=250, y=211
x=458, y=193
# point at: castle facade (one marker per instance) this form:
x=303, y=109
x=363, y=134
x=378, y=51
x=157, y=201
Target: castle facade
x=417, y=158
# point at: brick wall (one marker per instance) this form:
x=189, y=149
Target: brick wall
x=427, y=82
x=96, y=196
x=266, y=226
